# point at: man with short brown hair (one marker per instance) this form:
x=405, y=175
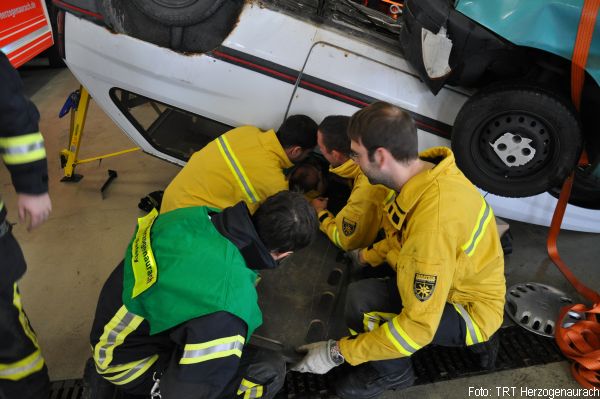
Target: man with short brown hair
x=356, y=225
x=450, y=286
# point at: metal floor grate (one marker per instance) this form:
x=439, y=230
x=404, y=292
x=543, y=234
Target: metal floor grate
x=73, y=389
x=66, y=389
x=518, y=348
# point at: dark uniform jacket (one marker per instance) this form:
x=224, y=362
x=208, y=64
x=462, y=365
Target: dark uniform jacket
x=21, y=147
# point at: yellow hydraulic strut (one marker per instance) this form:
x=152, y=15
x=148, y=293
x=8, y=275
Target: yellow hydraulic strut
x=78, y=103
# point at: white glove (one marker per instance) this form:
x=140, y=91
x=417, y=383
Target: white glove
x=318, y=358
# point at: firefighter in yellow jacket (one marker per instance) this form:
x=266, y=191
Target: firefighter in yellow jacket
x=449, y=286
x=244, y=164
x=356, y=225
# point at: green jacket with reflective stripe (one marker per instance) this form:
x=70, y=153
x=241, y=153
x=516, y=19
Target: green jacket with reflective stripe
x=199, y=272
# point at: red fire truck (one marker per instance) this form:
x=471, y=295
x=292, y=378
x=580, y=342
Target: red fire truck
x=25, y=30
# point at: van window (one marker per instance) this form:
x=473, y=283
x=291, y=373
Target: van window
x=170, y=130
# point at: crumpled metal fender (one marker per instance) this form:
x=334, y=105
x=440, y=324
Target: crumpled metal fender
x=549, y=25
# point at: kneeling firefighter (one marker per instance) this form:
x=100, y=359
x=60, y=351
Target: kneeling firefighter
x=176, y=314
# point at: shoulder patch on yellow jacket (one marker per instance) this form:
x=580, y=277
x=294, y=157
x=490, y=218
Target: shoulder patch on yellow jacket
x=348, y=227
x=423, y=286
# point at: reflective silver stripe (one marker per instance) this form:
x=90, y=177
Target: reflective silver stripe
x=196, y=353
x=236, y=167
x=22, y=149
x=252, y=394
x=123, y=378
x=4, y=226
x=407, y=347
x=371, y=324
x=479, y=228
x=112, y=336
x=22, y=369
x=468, y=322
x=9, y=48
x=372, y=320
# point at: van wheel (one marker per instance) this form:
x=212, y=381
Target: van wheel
x=178, y=12
x=586, y=189
x=190, y=26
x=54, y=58
x=516, y=140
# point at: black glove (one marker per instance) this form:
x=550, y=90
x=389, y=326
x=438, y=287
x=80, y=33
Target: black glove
x=151, y=201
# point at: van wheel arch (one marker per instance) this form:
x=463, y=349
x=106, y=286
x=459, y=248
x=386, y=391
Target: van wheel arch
x=196, y=26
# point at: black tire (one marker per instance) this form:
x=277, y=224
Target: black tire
x=585, y=192
x=542, y=132
x=178, y=12
x=199, y=29
x=54, y=58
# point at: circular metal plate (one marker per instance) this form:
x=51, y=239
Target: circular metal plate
x=535, y=306
x=513, y=149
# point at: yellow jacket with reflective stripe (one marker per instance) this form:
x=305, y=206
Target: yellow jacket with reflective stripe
x=447, y=250
x=357, y=224
x=244, y=164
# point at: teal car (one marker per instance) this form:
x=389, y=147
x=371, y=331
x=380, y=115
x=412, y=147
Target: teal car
x=519, y=134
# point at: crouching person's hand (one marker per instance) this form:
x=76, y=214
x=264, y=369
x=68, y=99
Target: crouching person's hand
x=356, y=260
x=320, y=357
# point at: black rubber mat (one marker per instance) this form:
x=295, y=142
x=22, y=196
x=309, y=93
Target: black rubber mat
x=518, y=348
x=298, y=300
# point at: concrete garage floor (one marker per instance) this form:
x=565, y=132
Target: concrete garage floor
x=72, y=254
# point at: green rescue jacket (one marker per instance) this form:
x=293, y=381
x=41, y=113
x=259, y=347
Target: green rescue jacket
x=178, y=267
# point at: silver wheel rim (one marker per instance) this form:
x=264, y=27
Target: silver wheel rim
x=535, y=306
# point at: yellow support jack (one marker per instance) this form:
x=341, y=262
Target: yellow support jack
x=78, y=104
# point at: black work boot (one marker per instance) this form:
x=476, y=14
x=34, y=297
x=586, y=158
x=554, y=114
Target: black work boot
x=487, y=351
x=365, y=382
